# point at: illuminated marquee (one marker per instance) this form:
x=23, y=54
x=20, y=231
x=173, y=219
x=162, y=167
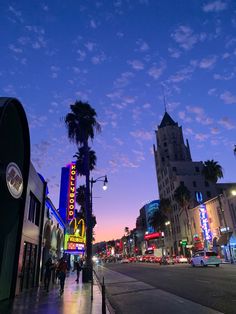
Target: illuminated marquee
x=71, y=192
x=205, y=223
x=75, y=242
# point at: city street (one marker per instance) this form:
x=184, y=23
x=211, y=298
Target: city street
x=212, y=287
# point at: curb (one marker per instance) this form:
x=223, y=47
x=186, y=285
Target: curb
x=108, y=304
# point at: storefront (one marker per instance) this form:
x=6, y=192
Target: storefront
x=14, y=173
x=53, y=234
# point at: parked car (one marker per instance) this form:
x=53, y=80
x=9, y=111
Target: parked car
x=125, y=260
x=181, y=259
x=157, y=259
x=167, y=260
x=205, y=258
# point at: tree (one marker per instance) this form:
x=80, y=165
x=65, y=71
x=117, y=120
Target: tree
x=165, y=205
x=157, y=220
x=212, y=171
x=80, y=160
x=80, y=200
x=182, y=196
x=81, y=125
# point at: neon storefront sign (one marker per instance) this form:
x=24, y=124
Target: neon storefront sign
x=75, y=241
x=205, y=223
x=71, y=192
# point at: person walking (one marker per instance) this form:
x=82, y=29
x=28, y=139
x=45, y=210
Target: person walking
x=47, y=274
x=61, y=270
x=78, y=267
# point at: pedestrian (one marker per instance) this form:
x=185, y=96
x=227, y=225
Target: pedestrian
x=78, y=267
x=61, y=270
x=47, y=274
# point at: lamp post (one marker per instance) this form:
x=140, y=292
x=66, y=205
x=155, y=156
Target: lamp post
x=92, y=181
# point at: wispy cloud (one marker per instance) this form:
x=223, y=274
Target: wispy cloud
x=136, y=65
x=142, y=45
x=215, y=6
x=200, y=115
x=225, y=122
x=228, y=98
x=143, y=135
x=16, y=13
x=224, y=77
x=174, y=53
x=15, y=49
x=207, y=63
x=186, y=38
x=123, y=80
x=156, y=71
x=201, y=137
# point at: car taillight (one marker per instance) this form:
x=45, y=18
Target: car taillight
x=207, y=257
x=218, y=256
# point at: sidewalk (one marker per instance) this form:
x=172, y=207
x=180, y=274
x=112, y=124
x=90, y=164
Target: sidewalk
x=75, y=300
x=130, y=296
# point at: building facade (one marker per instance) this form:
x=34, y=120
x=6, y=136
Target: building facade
x=221, y=218
x=174, y=166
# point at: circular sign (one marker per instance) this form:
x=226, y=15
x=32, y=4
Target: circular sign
x=14, y=180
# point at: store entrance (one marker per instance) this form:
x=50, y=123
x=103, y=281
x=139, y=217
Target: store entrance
x=28, y=266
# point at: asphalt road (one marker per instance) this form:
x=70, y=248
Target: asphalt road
x=210, y=286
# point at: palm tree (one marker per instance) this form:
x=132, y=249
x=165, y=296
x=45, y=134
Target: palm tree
x=80, y=200
x=165, y=205
x=212, y=171
x=182, y=196
x=81, y=125
x=157, y=220
x=80, y=161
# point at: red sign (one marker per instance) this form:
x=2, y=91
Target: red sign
x=154, y=235
x=71, y=192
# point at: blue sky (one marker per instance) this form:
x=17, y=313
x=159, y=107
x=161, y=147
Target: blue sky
x=120, y=56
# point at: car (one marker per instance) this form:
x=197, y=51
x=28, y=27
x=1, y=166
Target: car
x=205, y=258
x=125, y=260
x=181, y=259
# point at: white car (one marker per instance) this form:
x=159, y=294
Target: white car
x=124, y=260
x=205, y=258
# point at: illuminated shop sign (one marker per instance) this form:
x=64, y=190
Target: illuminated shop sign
x=153, y=235
x=205, y=223
x=71, y=192
x=75, y=240
x=14, y=180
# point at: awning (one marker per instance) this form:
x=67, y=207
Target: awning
x=224, y=238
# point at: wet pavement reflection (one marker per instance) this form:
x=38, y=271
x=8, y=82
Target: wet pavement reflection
x=76, y=299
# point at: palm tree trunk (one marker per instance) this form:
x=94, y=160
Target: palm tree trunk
x=88, y=213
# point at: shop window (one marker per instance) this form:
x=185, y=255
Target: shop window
x=194, y=184
x=206, y=183
x=174, y=169
x=34, y=210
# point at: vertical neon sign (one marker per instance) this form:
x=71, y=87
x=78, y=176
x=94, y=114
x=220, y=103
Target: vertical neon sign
x=205, y=223
x=71, y=192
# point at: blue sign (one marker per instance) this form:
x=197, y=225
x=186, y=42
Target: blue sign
x=205, y=223
x=199, y=197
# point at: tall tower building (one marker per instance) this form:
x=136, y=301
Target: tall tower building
x=174, y=166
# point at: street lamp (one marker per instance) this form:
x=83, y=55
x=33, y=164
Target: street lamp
x=92, y=181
